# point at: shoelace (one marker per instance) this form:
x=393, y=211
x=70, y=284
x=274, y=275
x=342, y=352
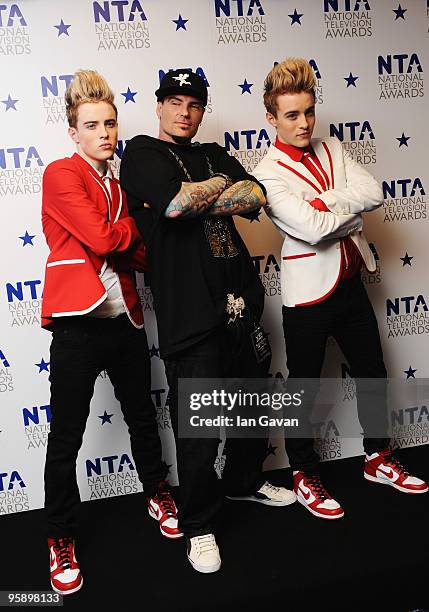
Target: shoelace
x=270, y=487
x=315, y=484
x=166, y=502
x=206, y=543
x=64, y=549
x=392, y=460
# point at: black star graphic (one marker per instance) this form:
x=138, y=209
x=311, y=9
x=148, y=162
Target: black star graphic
x=410, y=372
x=399, y=12
x=154, y=351
x=105, y=418
x=254, y=216
x=406, y=260
x=271, y=450
x=296, y=17
x=351, y=80
x=403, y=140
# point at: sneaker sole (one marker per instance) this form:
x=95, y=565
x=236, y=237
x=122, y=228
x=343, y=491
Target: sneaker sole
x=266, y=502
x=204, y=569
x=166, y=535
x=322, y=516
x=70, y=592
x=393, y=484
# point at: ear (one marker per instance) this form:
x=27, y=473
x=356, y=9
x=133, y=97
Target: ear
x=158, y=109
x=271, y=119
x=74, y=135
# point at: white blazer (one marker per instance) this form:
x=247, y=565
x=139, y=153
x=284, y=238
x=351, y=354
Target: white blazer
x=311, y=253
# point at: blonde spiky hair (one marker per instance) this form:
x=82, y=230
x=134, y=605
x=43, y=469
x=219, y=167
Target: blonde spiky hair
x=87, y=86
x=293, y=75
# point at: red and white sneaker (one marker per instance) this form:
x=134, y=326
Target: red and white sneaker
x=163, y=509
x=385, y=468
x=311, y=493
x=65, y=573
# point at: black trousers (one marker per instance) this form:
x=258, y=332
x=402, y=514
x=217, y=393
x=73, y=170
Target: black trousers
x=226, y=353
x=81, y=348
x=346, y=315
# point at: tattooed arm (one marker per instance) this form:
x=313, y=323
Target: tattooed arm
x=242, y=197
x=194, y=199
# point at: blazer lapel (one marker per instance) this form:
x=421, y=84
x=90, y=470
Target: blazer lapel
x=296, y=168
x=321, y=149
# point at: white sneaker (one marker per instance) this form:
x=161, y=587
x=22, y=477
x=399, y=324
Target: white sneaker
x=269, y=495
x=203, y=553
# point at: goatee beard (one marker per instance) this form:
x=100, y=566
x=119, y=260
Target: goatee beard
x=181, y=140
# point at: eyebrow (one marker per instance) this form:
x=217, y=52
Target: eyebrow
x=289, y=112
x=95, y=121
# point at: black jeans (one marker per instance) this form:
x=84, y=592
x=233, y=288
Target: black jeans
x=226, y=353
x=346, y=315
x=81, y=348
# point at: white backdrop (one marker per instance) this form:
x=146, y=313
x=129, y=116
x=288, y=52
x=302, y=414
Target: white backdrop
x=370, y=59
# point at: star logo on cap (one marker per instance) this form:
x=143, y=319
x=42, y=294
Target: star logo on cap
x=182, y=78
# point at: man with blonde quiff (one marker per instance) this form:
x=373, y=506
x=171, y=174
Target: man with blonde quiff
x=91, y=306
x=316, y=196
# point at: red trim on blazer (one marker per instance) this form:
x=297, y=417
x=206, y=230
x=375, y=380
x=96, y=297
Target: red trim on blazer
x=328, y=153
x=323, y=297
x=299, y=256
x=301, y=176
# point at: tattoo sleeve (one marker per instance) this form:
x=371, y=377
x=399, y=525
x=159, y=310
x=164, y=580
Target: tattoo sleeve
x=194, y=199
x=242, y=197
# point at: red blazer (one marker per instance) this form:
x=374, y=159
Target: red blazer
x=86, y=229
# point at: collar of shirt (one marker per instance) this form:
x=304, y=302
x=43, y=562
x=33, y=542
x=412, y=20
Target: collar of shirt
x=107, y=175
x=294, y=153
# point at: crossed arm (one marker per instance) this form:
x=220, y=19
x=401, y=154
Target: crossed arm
x=215, y=196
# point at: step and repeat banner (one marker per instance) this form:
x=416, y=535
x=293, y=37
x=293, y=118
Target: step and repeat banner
x=371, y=62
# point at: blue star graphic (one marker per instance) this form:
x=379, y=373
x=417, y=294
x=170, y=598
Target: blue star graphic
x=399, y=12
x=43, y=365
x=296, y=17
x=105, y=418
x=129, y=95
x=10, y=103
x=154, y=351
x=245, y=87
x=403, y=140
x=62, y=28
x=351, y=80
x=406, y=260
x=27, y=239
x=410, y=372
x=180, y=22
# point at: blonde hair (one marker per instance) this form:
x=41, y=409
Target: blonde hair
x=87, y=86
x=293, y=75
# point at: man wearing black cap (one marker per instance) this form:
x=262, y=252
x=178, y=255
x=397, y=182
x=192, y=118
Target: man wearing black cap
x=182, y=197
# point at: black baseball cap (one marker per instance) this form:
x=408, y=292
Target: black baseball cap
x=182, y=82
